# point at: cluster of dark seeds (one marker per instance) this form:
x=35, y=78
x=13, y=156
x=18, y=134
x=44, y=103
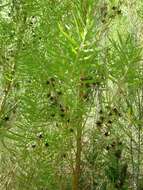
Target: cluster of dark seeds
x=55, y=99
x=106, y=117
x=116, y=148
x=40, y=136
x=118, y=11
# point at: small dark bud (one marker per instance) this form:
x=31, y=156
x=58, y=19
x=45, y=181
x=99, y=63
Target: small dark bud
x=101, y=112
x=109, y=121
x=29, y=81
x=113, y=144
x=33, y=145
x=40, y=135
x=85, y=78
x=114, y=8
x=68, y=120
x=119, y=12
x=112, y=16
x=87, y=85
x=118, y=154
x=110, y=114
x=120, y=143
x=103, y=21
x=98, y=123
x=48, y=95
x=71, y=130
x=5, y=90
x=62, y=115
x=52, y=80
x=47, y=82
x=94, y=84
x=62, y=110
x=6, y=118
x=59, y=93
x=107, y=147
x=102, y=118
x=61, y=106
x=52, y=98
x=85, y=96
x=46, y=144
x=13, y=72
x=52, y=115
x=115, y=110
x=98, y=83
x=106, y=134
x=14, y=111
x=57, y=125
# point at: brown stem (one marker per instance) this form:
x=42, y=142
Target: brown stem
x=77, y=169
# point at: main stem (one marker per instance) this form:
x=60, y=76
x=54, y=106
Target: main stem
x=77, y=168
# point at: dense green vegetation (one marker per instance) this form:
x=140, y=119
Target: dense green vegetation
x=71, y=95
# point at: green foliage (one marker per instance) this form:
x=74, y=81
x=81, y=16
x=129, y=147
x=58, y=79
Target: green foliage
x=71, y=95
